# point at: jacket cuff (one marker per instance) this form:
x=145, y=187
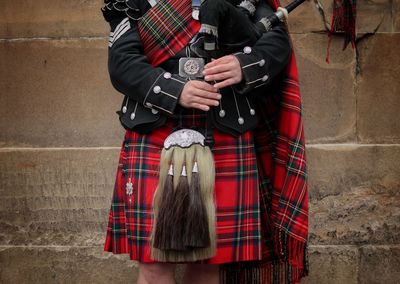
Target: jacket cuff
x=254, y=69
x=164, y=93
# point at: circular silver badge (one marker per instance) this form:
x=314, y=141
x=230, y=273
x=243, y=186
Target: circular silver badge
x=191, y=67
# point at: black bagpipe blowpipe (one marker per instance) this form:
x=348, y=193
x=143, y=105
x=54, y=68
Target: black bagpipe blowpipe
x=267, y=23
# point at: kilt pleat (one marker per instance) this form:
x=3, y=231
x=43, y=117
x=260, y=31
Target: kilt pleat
x=236, y=192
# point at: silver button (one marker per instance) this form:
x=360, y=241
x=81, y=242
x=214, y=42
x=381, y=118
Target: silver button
x=252, y=111
x=167, y=75
x=133, y=115
x=240, y=120
x=154, y=111
x=149, y=104
x=221, y=113
x=124, y=109
x=262, y=62
x=247, y=49
x=265, y=78
x=157, y=89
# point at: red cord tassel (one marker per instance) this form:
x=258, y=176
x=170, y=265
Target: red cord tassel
x=343, y=21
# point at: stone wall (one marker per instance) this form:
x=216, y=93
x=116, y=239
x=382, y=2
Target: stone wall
x=60, y=137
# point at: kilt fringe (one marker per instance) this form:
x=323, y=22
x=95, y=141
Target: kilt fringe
x=289, y=268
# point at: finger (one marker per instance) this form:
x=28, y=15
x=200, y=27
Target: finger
x=219, y=76
x=204, y=86
x=225, y=83
x=200, y=106
x=215, y=62
x=203, y=101
x=206, y=94
x=221, y=60
x=219, y=69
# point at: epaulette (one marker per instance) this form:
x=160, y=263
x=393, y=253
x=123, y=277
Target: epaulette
x=119, y=9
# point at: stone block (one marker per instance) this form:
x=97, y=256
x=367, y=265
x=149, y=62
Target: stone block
x=379, y=264
x=378, y=100
x=52, y=18
x=64, y=265
x=57, y=93
x=332, y=265
x=354, y=194
x=375, y=15
x=327, y=90
x=396, y=16
x=306, y=18
x=56, y=197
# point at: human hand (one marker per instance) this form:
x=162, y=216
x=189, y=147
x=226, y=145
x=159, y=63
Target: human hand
x=199, y=94
x=225, y=69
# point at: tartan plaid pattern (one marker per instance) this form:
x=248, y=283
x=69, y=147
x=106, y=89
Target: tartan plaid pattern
x=344, y=20
x=166, y=28
x=236, y=193
x=280, y=204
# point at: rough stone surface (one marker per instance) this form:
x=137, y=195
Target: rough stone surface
x=380, y=264
x=331, y=85
x=328, y=264
x=396, y=16
x=333, y=264
x=57, y=93
x=56, y=197
x=378, y=99
x=354, y=194
x=51, y=18
x=306, y=18
x=64, y=265
x=375, y=15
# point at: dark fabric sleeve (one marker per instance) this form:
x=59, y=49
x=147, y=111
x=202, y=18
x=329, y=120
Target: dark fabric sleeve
x=263, y=61
x=132, y=74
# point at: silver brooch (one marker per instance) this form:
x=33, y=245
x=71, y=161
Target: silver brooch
x=184, y=138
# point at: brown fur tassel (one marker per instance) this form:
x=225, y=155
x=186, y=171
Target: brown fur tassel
x=197, y=234
x=162, y=238
x=179, y=210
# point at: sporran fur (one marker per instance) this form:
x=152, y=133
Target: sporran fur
x=184, y=224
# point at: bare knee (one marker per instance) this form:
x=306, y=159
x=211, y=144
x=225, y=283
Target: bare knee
x=152, y=273
x=202, y=273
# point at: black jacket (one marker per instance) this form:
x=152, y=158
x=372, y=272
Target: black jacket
x=152, y=93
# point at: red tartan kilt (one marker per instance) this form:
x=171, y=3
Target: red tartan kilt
x=236, y=193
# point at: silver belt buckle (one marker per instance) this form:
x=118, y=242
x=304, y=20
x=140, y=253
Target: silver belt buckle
x=191, y=67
